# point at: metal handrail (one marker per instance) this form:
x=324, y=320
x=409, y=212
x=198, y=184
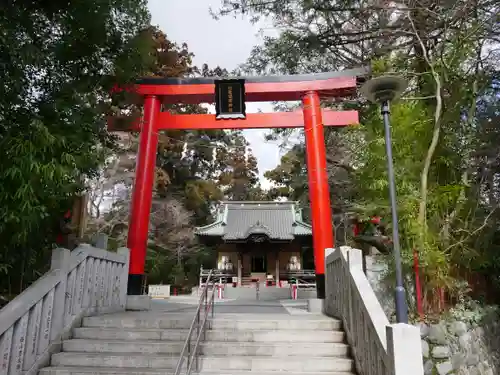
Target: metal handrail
x=217, y=272
x=302, y=284
x=144, y=287
x=299, y=272
x=192, y=353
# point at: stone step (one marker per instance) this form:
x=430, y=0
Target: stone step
x=235, y=372
x=240, y=363
x=292, y=364
x=219, y=335
x=278, y=349
x=131, y=360
x=148, y=371
x=208, y=348
x=250, y=293
x=297, y=337
x=69, y=370
x=115, y=346
x=274, y=324
x=230, y=322
x=130, y=334
x=152, y=321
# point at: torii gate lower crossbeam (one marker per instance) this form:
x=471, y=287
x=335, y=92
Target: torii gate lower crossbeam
x=307, y=88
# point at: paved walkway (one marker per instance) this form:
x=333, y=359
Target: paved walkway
x=188, y=304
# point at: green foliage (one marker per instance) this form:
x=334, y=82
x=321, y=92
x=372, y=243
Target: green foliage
x=57, y=60
x=241, y=177
x=447, y=194
x=290, y=178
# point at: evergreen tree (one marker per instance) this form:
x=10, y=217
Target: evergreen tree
x=59, y=61
x=444, y=157
x=241, y=176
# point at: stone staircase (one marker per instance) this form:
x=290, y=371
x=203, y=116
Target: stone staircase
x=265, y=344
x=73, y=320
x=149, y=343
x=270, y=293
x=124, y=343
x=247, y=281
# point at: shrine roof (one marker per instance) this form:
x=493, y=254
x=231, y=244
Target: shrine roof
x=242, y=220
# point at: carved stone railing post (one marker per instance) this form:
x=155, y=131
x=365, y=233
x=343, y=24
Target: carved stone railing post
x=101, y=241
x=354, y=262
x=404, y=349
x=124, y=277
x=60, y=261
x=18, y=342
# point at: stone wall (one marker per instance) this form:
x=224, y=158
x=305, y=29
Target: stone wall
x=376, y=270
x=465, y=342
x=462, y=345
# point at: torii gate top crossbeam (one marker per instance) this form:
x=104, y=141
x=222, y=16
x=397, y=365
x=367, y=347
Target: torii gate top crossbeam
x=257, y=89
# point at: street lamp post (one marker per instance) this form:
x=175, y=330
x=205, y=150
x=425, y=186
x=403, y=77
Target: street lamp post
x=382, y=90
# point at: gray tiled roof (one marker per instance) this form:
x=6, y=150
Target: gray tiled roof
x=239, y=220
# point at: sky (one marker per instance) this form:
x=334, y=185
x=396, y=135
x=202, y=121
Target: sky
x=225, y=43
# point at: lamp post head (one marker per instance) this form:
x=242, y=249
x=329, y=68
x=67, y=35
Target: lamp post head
x=383, y=88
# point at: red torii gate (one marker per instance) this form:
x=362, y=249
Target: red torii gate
x=306, y=88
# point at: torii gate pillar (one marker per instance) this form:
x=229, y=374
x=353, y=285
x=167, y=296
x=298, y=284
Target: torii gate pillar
x=306, y=88
x=319, y=194
x=142, y=194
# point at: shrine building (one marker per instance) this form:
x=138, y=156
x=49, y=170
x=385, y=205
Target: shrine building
x=260, y=241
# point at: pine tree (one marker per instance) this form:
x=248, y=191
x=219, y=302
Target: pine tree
x=241, y=178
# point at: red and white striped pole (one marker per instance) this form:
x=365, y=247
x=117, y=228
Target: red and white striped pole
x=220, y=291
x=294, y=291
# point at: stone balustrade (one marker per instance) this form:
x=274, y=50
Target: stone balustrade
x=86, y=281
x=378, y=348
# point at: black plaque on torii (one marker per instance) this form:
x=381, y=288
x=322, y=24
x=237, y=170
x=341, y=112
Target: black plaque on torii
x=230, y=99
